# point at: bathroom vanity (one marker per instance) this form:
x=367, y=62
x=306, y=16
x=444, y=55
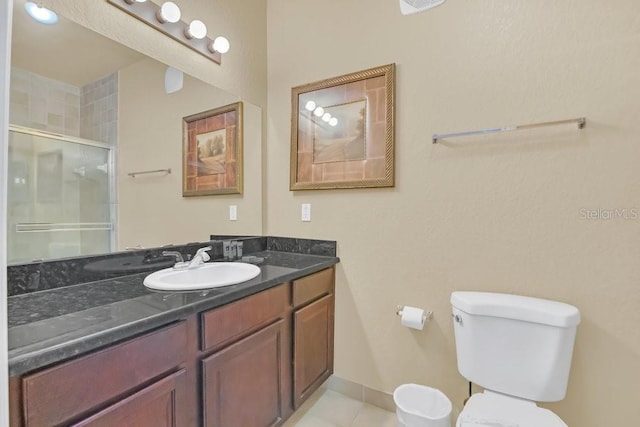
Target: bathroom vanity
x=243, y=355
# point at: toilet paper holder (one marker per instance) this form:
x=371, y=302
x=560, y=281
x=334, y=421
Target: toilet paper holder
x=427, y=314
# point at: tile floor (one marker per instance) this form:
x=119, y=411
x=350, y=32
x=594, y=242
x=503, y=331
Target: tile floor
x=328, y=408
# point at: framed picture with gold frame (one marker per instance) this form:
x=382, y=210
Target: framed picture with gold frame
x=342, y=131
x=212, y=152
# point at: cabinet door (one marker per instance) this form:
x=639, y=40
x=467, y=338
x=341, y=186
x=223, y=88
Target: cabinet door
x=247, y=383
x=158, y=405
x=312, y=347
x=71, y=390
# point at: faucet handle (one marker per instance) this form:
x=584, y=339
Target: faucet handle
x=202, y=252
x=177, y=255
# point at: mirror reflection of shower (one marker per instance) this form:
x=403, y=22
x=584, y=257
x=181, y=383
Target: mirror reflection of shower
x=62, y=136
x=59, y=197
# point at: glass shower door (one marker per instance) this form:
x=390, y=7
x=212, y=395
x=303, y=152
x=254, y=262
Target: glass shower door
x=59, y=201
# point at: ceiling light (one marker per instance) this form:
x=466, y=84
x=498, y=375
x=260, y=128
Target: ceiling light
x=41, y=14
x=333, y=121
x=220, y=44
x=310, y=105
x=169, y=12
x=326, y=117
x=318, y=112
x=196, y=30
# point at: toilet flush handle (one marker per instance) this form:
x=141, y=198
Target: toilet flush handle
x=457, y=318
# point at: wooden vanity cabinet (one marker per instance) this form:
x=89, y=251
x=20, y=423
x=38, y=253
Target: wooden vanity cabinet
x=246, y=379
x=246, y=383
x=159, y=405
x=248, y=363
x=127, y=382
x=313, y=323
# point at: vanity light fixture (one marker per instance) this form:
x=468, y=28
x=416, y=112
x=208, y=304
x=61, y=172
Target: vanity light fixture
x=196, y=30
x=220, y=44
x=166, y=19
x=169, y=12
x=41, y=14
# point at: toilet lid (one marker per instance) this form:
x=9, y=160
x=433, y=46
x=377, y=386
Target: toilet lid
x=493, y=410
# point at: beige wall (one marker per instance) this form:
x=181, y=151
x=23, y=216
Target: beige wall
x=498, y=213
x=151, y=209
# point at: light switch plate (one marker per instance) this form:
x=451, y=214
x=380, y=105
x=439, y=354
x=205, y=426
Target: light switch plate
x=233, y=212
x=306, y=212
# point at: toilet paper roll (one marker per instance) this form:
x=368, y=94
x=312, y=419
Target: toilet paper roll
x=413, y=317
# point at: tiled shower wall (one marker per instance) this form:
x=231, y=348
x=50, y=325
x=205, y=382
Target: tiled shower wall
x=89, y=112
x=45, y=104
x=99, y=110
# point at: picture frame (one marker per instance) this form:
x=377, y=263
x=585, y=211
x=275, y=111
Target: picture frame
x=212, y=152
x=354, y=145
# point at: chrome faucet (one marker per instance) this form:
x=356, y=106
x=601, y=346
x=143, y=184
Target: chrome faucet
x=178, y=256
x=200, y=257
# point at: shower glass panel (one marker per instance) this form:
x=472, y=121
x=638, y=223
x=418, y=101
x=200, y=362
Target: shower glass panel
x=59, y=200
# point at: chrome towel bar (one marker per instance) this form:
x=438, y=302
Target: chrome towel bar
x=165, y=171
x=581, y=122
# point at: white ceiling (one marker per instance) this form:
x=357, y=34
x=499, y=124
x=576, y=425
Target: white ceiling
x=65, y=51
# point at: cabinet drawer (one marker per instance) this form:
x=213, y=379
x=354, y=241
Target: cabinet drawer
x=312, y=287
x=64, y=392
x=232, y=321
x=159, y=405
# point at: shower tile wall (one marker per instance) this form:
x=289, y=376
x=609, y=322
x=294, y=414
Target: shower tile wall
x=99, y=110
x=89, y=112
x=98, y=122
x=41, y=103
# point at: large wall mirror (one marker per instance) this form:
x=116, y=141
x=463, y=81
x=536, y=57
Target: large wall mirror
x=86, y=113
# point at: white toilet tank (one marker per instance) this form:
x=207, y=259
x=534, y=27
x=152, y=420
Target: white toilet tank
x=515, y=345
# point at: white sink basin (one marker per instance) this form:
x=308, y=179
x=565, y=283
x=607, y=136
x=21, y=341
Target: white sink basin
x=210, y=275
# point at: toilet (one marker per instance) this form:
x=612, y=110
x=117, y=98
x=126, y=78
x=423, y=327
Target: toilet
x=519, y=350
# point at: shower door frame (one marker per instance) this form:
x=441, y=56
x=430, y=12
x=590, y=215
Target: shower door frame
x=111, y=165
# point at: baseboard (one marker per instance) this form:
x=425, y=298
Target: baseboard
x=360, y=392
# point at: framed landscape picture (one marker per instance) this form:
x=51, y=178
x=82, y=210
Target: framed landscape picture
x=212, y=152
x=342, y=131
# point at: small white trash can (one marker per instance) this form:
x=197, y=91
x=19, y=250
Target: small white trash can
x=421, y=406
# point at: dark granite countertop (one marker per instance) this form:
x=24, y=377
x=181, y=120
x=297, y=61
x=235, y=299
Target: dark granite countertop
x=50, y=326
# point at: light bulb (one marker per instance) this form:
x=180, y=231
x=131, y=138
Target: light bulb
x=310, y=105
x=169, y=12
x=333, y=122
x=326, y=117
x=196, y=30
x=220, y=44
x=41, y=14
x=318, y=112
